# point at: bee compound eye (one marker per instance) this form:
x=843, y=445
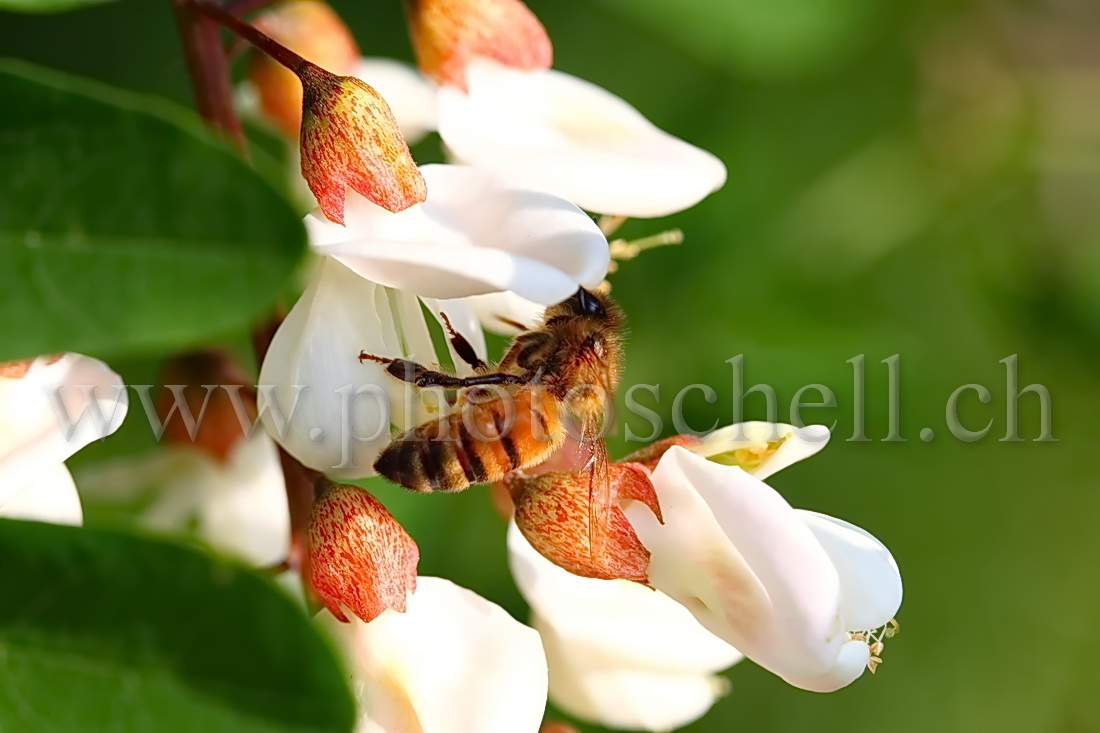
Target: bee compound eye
x=587, y=303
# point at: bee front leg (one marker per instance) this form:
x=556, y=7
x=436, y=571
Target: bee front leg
x=407, y=371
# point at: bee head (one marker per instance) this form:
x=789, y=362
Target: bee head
x=583, y=304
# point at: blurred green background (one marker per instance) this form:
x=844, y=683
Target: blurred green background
x=913, y=177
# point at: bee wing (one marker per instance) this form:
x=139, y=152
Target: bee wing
x=599, y=489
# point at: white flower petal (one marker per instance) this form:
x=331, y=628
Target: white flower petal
x=797, y=443
x=49, y=497
x=848, y=668
x=473, y=235
x=620, y=654
x=34, y=436
x=624, y=696
x=452, y=662
x=341, y=422
x=746, y=565
x=412, y=326
x=616, y=622
x=238, y=506
x=242, y=503
x=870, y=581
x=554, y=132
x=495, y=310
x=411, y=97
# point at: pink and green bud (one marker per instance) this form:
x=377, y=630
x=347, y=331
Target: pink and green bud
x=350, y=139
x=359, y=559
x=552, y=510
x=448, y=34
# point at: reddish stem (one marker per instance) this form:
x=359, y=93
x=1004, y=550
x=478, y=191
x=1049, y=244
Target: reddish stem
x=208, y=68
x=209, y=71
x=300, y=482
x=257, y=38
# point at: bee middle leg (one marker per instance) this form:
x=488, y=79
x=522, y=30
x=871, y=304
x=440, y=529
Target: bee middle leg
x=462, y=347
x=413, y=373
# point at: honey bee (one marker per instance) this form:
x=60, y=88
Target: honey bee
x=567, y=366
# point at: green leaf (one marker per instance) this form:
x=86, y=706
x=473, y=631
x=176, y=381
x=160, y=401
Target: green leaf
x=103, y=631
x=48, y=6
x=125, y=227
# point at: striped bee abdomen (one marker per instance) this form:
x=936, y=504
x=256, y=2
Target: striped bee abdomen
x=479, y=443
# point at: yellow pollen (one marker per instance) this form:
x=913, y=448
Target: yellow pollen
x=751, y=457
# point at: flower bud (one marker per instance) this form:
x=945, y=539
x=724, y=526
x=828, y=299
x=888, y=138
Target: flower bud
x=196, y=408
x=552, y=512
x=448, y=34
x=350, y=138
x=358, y=557
x=313, y=30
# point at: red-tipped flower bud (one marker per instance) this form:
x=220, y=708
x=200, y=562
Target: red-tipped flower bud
x=448, y=34
x=358, y=557
x=314, y=31
x=350, y=138
x=552, y=512
x=196, y=404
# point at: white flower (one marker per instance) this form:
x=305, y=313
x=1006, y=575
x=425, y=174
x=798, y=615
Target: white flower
x=36, y=438
x=620, y=654
x=473, y=235
x=330, y=411
x=452, y=662
x=242, y=504
x=797, y=592
x=237, y=506
x=554, y=132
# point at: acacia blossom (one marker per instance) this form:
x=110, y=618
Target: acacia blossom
x=619, y=654
x=501, y=107
x=497, y=105
x=737, y=570
x=50, y=408
x=236, y=505
x=415, y=644
x=452, y=661
x=799, y=593
x=474, y=235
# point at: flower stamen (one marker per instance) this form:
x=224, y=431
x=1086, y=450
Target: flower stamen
x=875, y=640
x=623, y=250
